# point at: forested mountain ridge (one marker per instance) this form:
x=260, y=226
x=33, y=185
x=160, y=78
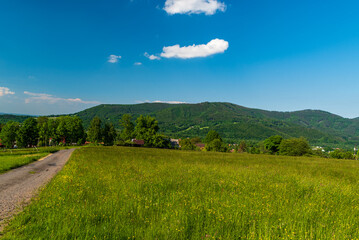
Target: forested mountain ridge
x=233, y=122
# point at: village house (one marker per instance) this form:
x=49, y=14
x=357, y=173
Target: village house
x=138, y=142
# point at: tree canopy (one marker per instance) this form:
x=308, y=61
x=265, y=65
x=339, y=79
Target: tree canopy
x=294, y=147
x=272, y=143
x=94, y=133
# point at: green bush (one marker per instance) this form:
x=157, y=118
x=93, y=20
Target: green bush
x=294, y=147
x=341, y=154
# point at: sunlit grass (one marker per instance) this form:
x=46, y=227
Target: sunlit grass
x=138, y=193
x=10, y=159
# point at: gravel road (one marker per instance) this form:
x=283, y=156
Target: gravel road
x=18, y=186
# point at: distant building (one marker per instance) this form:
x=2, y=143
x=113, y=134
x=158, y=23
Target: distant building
x=175, y=142
x=317, y=148
x=200, y=145
x=138, y=142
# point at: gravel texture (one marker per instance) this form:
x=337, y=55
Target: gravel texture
x=18, y=186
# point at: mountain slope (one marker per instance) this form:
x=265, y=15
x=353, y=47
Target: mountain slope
x=232, y=121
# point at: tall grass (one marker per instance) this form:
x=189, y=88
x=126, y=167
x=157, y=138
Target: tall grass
x=137, y=193
x=13, y=158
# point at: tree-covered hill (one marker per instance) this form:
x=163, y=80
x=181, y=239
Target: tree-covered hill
x=4, y=118
x=232, y=121
x=235, y=122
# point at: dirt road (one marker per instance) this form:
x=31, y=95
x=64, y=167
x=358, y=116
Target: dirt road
x=18, y=186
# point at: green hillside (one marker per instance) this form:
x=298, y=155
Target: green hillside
x=232, y=121
x=4, y=118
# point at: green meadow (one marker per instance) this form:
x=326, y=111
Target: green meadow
x=139, y=193
x=10, y=159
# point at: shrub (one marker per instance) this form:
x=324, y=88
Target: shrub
x=294, y=147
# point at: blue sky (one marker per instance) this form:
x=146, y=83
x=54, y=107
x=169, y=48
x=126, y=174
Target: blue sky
x=55, y=56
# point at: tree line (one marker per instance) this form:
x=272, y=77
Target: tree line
x=69, y=130
x=43, y=131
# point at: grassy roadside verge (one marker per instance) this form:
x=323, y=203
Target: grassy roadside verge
x=10, y=159
x=138, y=193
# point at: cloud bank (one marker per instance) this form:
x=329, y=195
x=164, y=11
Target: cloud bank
x=204, y=50
x=113, y=58
x=208, y=7
x=44, y=97
x=5, y=91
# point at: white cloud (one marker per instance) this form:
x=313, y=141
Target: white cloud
x=208, y=7
x=137, y=64
x=5, y=91
x=158, y=101
x=113, y=58
x=44, y=97
x=151, y=57
x=203, y=50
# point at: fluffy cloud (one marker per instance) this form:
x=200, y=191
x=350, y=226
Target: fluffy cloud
x=194, y=51
x=5, y=91
x=44, y=97
x=208, y=7
x=137, y=64
x=113, y=58
x=151, y=57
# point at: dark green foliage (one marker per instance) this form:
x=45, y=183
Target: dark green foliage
x=234, y=122
x=272, y=143
x=128, y=126
x=320, y=153
x=294, y=147
x=146, y=129
x=214, y=142
x=242, y=147
x=8, y=134
x=109, y=134
x=212, y=135
x=28, y=133
x=94, y=133
x=216, y=146
x=69, y=130
x=159, y=141
x=186, y=144
x=44, y=131
x=341, y=154
x=4, y=118
x=195, y=140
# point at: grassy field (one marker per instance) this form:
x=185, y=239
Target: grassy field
x=138, y=193
x=10, y=159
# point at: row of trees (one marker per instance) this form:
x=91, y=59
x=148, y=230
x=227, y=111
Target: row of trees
x=144, y=128
x=276, y=145
x=68, y=130
x=290, y=147
x=43, y=131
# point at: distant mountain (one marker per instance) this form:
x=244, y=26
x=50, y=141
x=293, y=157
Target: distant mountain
x=235, y=122
x=232, y=121
x=4, y=117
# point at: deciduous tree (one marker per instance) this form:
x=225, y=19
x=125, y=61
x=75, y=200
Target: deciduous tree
x=94, y=132
x=8, y=134
x=28, y=134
